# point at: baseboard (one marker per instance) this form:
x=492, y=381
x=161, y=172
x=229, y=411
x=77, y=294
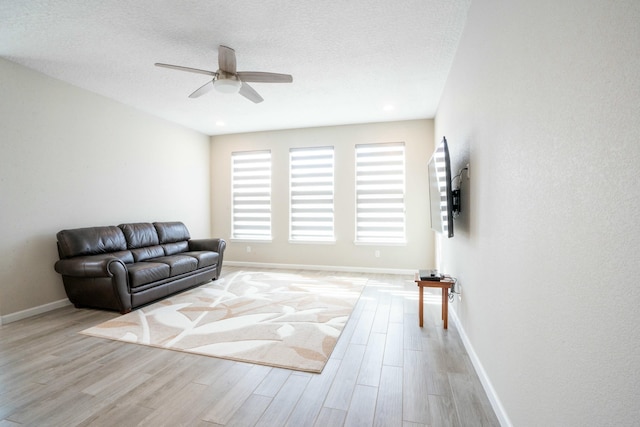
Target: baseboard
x=34, y=311
x=496, y=404
x=347, y=269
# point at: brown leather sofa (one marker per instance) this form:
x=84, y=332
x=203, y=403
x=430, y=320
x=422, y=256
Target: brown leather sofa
x=124, y=267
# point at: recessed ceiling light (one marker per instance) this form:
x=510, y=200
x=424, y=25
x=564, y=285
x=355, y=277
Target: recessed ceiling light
x=388, y=107
x=219, y=123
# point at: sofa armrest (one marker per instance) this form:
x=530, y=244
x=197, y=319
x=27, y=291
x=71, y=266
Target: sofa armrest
x=96, y=281
x=90, y=266
x=215, y=245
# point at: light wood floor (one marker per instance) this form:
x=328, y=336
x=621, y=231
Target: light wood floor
x=384, y=371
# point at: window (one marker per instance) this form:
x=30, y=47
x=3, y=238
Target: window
x=311, y=194
x=380, y=170
x=251, y=195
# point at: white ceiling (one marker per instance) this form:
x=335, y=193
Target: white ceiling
x=349, y=59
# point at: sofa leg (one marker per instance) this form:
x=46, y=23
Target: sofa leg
x=128, y=310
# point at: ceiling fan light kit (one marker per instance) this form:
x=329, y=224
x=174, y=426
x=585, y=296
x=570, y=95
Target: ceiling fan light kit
x=227, y=85
x=228, y=80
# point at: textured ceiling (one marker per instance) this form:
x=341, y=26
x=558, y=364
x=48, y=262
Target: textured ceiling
x=352, y=61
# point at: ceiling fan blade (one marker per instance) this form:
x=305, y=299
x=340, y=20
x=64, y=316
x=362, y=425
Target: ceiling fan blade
x=227, y=59
x=261, y=77
x=205, y=88
x=250, y=93
x=181, y=68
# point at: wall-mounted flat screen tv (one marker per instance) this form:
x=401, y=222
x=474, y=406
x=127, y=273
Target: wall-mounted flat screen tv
x=440, y=192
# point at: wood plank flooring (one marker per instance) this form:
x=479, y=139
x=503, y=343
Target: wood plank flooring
x=384, y=371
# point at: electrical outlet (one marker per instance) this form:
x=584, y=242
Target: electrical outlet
x=248, y=249
x=459, y=291
x=377, y=254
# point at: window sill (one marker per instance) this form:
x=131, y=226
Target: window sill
x=382, y=243
x=313, y=242
x=250, y=240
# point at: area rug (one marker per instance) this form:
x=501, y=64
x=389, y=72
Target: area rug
x=281, y=319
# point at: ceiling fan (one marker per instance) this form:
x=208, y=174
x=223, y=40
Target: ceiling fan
x=228, y=80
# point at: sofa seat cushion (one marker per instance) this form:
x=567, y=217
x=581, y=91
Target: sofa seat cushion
x=205, y=258
x=141, y=273
x=178, y=264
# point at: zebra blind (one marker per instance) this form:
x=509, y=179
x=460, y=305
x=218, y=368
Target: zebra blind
x=311, y=172
x=251, y=195
x=380, y=185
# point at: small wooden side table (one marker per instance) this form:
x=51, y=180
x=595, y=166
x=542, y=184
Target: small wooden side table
x=444, y=284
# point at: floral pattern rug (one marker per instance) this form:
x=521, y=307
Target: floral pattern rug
x=287, y=320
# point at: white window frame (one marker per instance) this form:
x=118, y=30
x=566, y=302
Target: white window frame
x=380, y=193
x=311, y=195
x=251, y=195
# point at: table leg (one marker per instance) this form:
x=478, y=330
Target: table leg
x=420, y=306
x=445, y=306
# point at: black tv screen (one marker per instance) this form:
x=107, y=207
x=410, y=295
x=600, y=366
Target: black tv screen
x=440, y=192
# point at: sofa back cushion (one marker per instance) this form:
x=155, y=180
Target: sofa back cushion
x=175, y=248
x=139, y=235
x=148, y=252
x=90, y=241
x=170, y=232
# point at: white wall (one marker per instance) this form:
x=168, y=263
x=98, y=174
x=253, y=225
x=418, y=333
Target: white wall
x=418, y=137
x=70, y=158
x=543, y=101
